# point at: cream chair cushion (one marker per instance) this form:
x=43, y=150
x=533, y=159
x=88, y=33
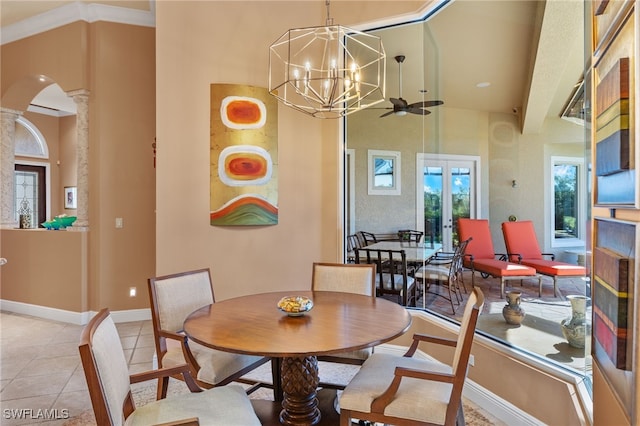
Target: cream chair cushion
x=416, y=399
x=215, y=365
x=179, y=296
x=433, y=272
x=224, y=406
x=111, y=367
x=388, y=281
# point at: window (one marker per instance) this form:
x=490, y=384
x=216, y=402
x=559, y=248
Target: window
x=567, y=215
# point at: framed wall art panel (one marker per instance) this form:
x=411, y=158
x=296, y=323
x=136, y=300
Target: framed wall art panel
x=243, y=156
x=614, y=109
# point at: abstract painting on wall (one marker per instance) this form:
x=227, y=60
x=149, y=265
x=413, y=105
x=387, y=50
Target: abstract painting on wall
x=244, y=156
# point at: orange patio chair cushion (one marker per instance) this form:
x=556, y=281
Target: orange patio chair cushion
x=551, y=267
x=481, y=244
x=500, y=268
x=520, y=238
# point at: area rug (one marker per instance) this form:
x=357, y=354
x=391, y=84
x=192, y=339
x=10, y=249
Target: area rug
x=143, y=393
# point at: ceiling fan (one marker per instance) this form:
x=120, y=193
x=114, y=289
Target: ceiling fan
x=401, y=106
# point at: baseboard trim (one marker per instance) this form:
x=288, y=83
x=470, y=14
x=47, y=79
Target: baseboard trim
x=71, y=317
x=490, y=402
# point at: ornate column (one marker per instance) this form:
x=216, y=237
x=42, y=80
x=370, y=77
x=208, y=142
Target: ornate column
x=81, y=98
x=8, y=119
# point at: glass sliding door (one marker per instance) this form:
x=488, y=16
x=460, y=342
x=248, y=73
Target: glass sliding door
x=446, y=187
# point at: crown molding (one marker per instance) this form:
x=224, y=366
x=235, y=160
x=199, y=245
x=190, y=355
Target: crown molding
x=73, y=12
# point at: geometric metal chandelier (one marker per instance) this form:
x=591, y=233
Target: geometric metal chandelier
x=327, y=72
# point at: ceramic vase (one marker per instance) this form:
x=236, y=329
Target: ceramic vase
x=512, y=311
x=25, y=221
x=575, y=328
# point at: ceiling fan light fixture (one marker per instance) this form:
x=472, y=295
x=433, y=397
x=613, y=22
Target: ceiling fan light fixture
x=329, y=71
x=400, y=113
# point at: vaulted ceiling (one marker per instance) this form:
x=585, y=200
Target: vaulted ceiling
x=530, y=52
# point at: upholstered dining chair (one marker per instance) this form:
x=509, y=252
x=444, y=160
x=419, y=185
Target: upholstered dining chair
x=348, y=278
x=109, y=383
x=407, y=390
x=522, y=247
x=173, y=297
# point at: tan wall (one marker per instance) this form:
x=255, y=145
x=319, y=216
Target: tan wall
x=243, y=260
x=60, y=54
x=116, y=64
x=45, y=268
x=121, y=131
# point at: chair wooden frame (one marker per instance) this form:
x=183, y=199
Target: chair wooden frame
x=454, y=411
x=105, y=367
x=162, y=336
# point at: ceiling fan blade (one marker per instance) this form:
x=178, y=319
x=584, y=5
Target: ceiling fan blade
x=386, y=113
x=419, y=111
x=398, y=102
x=425, y=104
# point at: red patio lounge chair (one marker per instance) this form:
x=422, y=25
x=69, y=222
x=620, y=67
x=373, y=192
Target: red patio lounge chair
x=481, y=257
x=522, y=247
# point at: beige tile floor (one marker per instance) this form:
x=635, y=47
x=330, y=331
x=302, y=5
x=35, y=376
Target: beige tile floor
x=41, y=369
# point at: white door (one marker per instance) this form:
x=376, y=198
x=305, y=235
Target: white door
x=446, y=191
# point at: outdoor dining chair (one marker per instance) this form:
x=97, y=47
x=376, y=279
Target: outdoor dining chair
x=393, y=276
x=109, y=383
x=444, y=271
x=522, y=247
x=480, y=256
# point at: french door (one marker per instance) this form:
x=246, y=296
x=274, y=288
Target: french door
x=447, y=189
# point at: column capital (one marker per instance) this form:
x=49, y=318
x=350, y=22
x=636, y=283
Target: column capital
x=80, y=93
x=4, y=110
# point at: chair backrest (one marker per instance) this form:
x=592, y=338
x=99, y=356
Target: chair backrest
x=347, y=278
x=520, y=238
x=367, y=238
x=410, y=235
x=352, y=242
x=458, y=256
x=174, y=297
x=462, y=352
x=481, y=247
x=391, y=268
x=106, y=370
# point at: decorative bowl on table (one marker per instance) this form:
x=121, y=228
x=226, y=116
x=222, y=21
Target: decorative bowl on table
x=64, y=221
x=51, y=224
x=295, y=306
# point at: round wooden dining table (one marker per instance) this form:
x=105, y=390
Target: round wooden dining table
x=338, y=322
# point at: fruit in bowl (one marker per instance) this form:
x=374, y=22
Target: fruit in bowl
x=295, y=305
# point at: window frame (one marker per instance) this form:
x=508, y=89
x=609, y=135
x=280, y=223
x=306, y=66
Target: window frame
x=581, y=218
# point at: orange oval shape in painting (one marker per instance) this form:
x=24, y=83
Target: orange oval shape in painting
x=243, y=112
x=245, y=166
